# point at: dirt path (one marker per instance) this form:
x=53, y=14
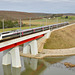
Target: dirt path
x=51, y=53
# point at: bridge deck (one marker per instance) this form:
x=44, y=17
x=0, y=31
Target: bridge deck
x=18, y=41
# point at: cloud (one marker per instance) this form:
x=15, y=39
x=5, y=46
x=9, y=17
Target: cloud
x=38, y=0
x=59, y=0
x=13, y=0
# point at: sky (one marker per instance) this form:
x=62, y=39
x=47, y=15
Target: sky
x=39, y=6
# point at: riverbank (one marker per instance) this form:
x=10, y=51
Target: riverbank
x=51, y=53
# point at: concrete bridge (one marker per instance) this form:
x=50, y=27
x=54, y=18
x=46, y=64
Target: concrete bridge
x=10, y=46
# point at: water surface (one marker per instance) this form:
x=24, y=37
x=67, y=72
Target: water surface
x=46, y=66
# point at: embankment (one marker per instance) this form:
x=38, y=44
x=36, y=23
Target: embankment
x=61, y=39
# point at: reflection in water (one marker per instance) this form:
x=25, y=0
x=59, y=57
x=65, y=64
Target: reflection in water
x=33, y=66
x=45, y=66
x=8, y=71
x=16, y=71
x=31, y=63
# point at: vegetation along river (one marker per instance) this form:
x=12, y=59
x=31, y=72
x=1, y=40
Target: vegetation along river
x=46, y=66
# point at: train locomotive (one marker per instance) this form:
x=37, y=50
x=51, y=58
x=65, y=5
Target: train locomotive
x=20, y=33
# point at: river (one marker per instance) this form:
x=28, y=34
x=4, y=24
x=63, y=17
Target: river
x=46, y=66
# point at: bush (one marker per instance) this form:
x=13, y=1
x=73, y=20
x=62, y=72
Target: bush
x=9, y=24
x=66, y=17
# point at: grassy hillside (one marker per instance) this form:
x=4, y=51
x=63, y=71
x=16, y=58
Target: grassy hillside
x=61, y=39
x=13, y=15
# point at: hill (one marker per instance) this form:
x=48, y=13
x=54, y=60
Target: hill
x=11, y=15
x=69, y=14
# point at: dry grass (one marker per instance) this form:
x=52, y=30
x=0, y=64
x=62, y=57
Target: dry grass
x=42, y=22
x=14, y=15
x=61, y=39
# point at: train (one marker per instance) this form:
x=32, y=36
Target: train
x=20, y=33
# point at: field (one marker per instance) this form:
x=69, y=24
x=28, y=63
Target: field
x=42, y=22
x=46, y=21
x=61, y=39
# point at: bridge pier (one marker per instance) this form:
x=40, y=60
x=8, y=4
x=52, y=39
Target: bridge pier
x=12, y=54
x=26, y=48
x=15, y=55
x=6, y=58
x=47, y=35
x=33, y=47
x=42, y=40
